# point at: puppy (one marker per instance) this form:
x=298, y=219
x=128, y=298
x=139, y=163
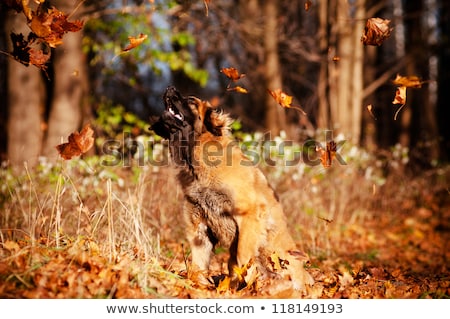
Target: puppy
x=227, y=201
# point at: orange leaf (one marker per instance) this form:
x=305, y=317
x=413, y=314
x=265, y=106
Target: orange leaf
x=135, y=42
x=411, y=81
x=370, y=109
x=224, y=285
x=50, y=25
x=400, y=95
x=376, y=31
x=327, y=155
x=238, y=89
x=39, y=59
x=232, y=73
x=284, y=100
x=308, y=5
x=400, y=98
x=79, y=143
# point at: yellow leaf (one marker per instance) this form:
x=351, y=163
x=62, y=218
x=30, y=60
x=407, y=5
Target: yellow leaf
x=411, y=81
x=232, y=73
x=284, y=100
x=238, y=89
x=12, y=246
x=135, y=42
x=224, y=285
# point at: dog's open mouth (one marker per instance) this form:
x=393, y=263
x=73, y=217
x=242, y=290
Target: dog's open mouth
x=174, y=102
x=174, y=112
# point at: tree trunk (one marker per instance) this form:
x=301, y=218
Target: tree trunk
x=348, y=78
x=69, y=88
x=323, y=118
x=275, y=115
x=26, y=102
x=443, y=98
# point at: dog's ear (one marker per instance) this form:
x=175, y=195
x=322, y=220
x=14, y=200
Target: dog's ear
x=203, y=108
x=217, y=122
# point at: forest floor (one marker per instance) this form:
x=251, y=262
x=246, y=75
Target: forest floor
x=78, y=231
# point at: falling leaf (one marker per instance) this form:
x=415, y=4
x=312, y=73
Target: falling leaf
x=308, y=5
x=376, y=31
x=232, y=73
x=400, y=95
x=21, y=50
x=234, y=76
x=404, y=82
x=79, y=143
x=336, y=58
x=411, y=81
x=400, y=98
x=50, y=25
x=39, y=59
x=327, y=155
x=206, y=2
x=284, y=100
x=370, y=109
x=238, y=89
x=135, y=42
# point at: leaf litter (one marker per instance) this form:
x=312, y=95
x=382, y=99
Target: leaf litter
x=401, y=254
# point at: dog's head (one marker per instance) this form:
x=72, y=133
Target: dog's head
x=186, y=116
x=184, y=120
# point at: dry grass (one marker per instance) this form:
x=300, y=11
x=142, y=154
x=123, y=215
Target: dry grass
x=133, y=214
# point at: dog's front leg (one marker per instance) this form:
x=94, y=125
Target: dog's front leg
x=197, y=235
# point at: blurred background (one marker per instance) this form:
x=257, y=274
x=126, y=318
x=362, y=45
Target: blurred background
x=312, y=50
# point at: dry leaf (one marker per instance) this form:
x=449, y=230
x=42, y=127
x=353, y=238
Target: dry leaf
x=39, y=59
x=327, y=155
x=224, y=285
x=238, y=89
x=400, y=98
x=411, y=81
x=404, y=82
x=400, y=95
x=232, y=73
x=78, y=144
x=284, y=100
x=277, y=263
x=21, y=49
x=308, y=5
x=50, y=25
x=370, y=109
x=135, y=42
x=376, y=31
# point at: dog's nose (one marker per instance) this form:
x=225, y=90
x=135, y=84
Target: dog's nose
x=171, y=91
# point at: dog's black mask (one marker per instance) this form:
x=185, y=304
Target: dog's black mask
x=177, y=116
x=176, y=124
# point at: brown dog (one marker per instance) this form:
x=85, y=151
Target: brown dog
x=227, y=201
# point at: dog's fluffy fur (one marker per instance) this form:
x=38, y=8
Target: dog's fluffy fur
x=226, y=201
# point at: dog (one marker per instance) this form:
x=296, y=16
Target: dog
x=226, y=201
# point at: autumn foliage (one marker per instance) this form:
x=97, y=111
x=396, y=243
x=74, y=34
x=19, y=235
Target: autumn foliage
x=78, y=144
x=47, y=28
